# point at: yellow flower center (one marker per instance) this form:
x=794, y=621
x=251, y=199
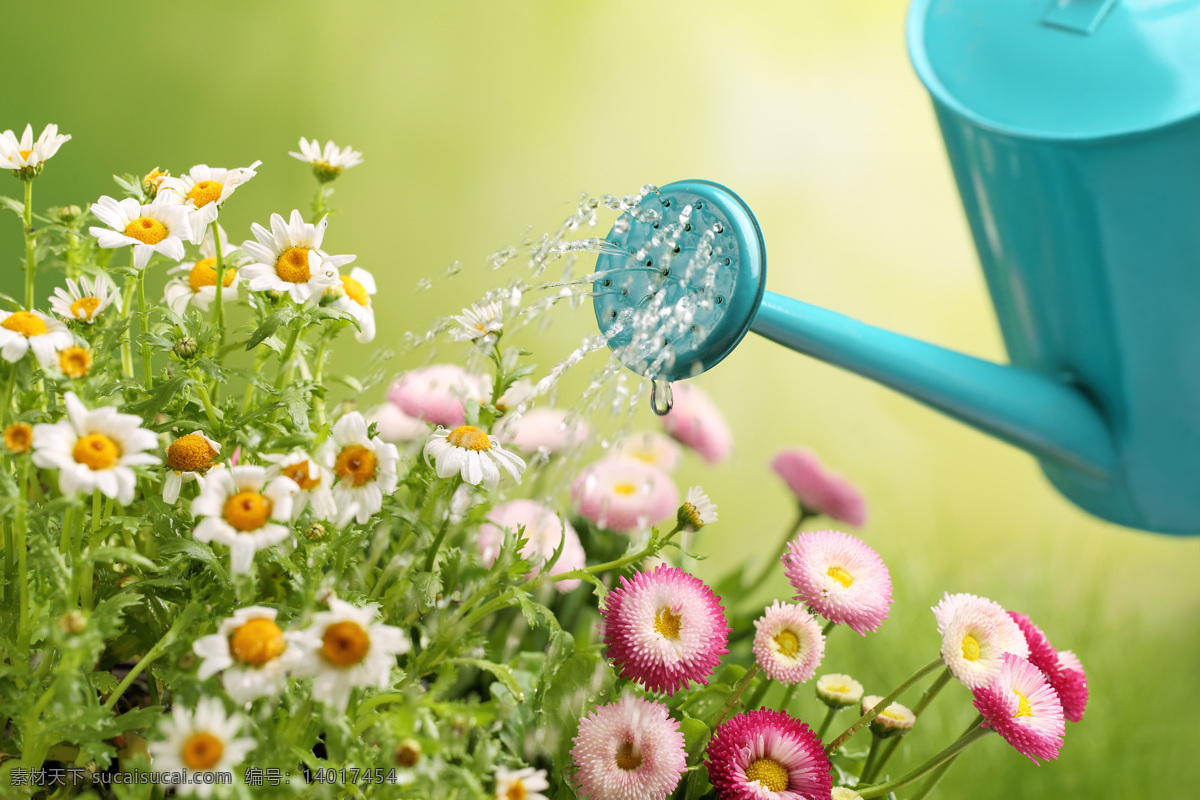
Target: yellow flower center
x=204, y=273
x=887, y=712
x=841, y=576
x=190, y=453
x=146, y=230
x=202, y=751
x=96, y=451
x=84, y=307
x=970, y=648
x=25, y=323
x=257, y=642
x=516, y=791
x=625, y=489
x=205, y=192
x=1023, y=707
x=329, y=169
x=248, y=511
x=18, y=437
x=292, y=266
x=772, y=775
x=789, y=643
x=299, y=474
x=355, y=464
x=75, y=362
x=469, y=437
x=355, y=291
x=153, y=178
x=345, y=643
x=25, y=154
x=837, y=688
x=628, y=758
x=667, y=623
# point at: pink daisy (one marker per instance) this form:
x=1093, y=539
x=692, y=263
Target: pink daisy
x=436, y=393
x=976, y=632
x=396, y=426
x=767, y=754
x=1070, y=681
x=819, y=490
x=1041, y=653
x=789, y=644
x=624, y=494
x=544, y=531
x=1022, y=707
x=549, y=430
x=665, y=629
x=696, y=422
x=842, y=578
x=628, y=750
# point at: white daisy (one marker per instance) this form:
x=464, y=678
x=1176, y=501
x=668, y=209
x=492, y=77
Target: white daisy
x=288, y=258
x=22, y=331
x=329, y=162
x=83, y=301
x=697, y=510
x=365, y=469
x=314, y=480
x=188, y=458
x=204, y=189
x=656, y=449
x=196, y=281
x=346, y=648
x=159, y=227
x=94, y=449
x=204, y=741
x=237, y=511
x=470, y=452
x=252, y=654
x=25, y=153
x=481, y=319
x=355, y=299
x=521, y=784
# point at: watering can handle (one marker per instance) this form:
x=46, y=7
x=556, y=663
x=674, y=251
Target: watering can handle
x=1038, y=414
x=1077, y=16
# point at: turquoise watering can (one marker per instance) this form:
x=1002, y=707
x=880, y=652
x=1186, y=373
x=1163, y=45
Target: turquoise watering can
x=1073, y=130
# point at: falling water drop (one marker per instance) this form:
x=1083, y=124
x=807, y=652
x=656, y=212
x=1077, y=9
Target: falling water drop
x=661, y=398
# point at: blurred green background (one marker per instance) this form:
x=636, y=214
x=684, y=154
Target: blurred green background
x=479, y=121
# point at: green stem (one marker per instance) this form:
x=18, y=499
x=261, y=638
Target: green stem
x=756, y=699
x=922, y=704
x=209, y=410
x=773, y=561
x=20, y=531
x=30, y=247
x=286, y=356
x=872, y=754
x=85, y=581
x=318, y=377
x=910, y=777
x=866, y=718
x=9, y=385
x=144, y=317
x=219, y=307
x=738, y=688
x=127, y=341
x=652, y=547
x=788, y=694
x=935, y=777
x=829, y=715
x=152, y=654
x=68, y=530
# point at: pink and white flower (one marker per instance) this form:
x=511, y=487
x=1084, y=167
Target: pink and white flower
x=818, y=489
x=544, y=531
x=976, y=633
x=546, y=430
x=788, y=645
x=628, y=750
x=396, y=426
x=652, y=447
x=624, y=494
x=665, y=629
x=695, y=421
x=842, y=578
x=1023, y=708
x=767, y=755
x=1061, y=668
x=436, y=393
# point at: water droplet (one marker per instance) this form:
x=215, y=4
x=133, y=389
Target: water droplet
x=661, y=397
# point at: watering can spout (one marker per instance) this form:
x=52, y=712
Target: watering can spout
x=1049, y=418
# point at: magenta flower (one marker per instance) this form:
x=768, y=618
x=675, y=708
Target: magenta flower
x=767, y=754
x=842, y=578
x=628, y=750
x=696, y=422
x=544, y=532
x=1023, y=708
x=665, y=629
x=818, y=489
x=1062, y=669
x=546, y=429
x=789, y=644
x=624, y=494
x=436, y=393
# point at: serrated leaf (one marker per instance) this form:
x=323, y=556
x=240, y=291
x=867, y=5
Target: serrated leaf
x=164, y=393
x=295, y=400
x=195, y=551
x=122, y=554
x=15, y=206
x=427, y=586
x=269, y=326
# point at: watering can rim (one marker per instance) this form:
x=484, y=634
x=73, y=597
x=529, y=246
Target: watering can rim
x=914, y=34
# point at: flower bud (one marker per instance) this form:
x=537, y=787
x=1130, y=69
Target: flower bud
x=895, y=720
x=697, y=510
x=315, y=532
x=151, y=181
x=68, y=214
x=408, y=753
x=838, y=691
x=73, y=622
x=186, y=348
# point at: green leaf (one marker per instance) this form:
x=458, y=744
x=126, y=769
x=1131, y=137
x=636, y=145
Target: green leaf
x=123, y=554
x=164, y=393
x=270, y=325
x=295, y=400
x=15, y=206
x=502, y=673
x=427, y=586
x=195, y=551
x=695, y=735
